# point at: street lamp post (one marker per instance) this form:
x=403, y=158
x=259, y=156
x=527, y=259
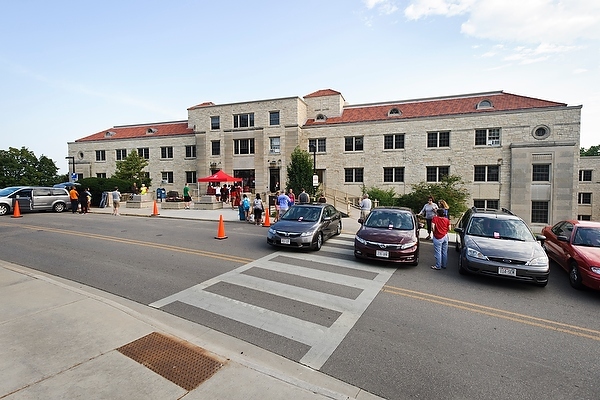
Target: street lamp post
x=313, y=149
x=73, y=160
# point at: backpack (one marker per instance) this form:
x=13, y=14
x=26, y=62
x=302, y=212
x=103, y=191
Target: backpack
x=246, y=204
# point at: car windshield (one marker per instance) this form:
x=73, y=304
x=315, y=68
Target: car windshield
x=587, y=237
x=302, y=214
x=509, y=229
x=8, y=191
x=389, y=220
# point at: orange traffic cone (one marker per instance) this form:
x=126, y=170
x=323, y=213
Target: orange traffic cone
x=155, y=210
x=17, y=211
x=221, y=231
x=267, y=223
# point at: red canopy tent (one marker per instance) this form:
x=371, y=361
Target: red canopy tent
x=219, y=176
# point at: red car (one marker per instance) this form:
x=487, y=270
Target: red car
x=575, y=246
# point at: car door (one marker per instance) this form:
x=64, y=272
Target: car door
x=42, y=199
x=559, y=248
x=24, y=197
x=327, y=225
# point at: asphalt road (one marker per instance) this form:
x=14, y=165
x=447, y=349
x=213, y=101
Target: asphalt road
x=407, y=332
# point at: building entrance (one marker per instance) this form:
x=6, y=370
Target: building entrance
x=274, y=180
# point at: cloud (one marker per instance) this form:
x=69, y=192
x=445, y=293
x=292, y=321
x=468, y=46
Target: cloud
x=386, y=7
x=531, y=21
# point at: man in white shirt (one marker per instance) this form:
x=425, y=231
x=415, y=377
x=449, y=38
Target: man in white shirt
x=365, y=207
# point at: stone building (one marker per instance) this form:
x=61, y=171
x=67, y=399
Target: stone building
x=512, y=151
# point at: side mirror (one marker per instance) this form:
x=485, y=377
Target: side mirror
x=458, y=230
x=561, y=238
x=326, y=218
x=360, y=220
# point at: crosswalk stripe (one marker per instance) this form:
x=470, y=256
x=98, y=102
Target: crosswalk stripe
x=322, y=340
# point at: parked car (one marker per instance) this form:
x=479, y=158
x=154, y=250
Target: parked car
x=389, y=234
x=173, y=195
x=34, y=198
x=306, y=225
x=575, y=246
x=500, y=244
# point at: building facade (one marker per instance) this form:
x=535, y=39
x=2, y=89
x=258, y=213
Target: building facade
x=512, y=151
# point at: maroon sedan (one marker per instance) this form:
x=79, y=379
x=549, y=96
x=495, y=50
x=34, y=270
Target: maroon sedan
x=575, y=246
x=388, y=234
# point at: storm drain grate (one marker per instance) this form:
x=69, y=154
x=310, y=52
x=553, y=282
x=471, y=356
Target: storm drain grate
x=179, y=361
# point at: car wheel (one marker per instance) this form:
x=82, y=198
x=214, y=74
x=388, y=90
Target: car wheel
x=575, y=275
x=339, y=229
x=416, y=262
x=59, y=207
x=461, y=268
x=318, y=242
x=3, y=209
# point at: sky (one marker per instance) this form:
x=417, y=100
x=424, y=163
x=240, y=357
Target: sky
x=69, y=69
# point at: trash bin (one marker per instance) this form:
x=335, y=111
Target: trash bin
x=161, y=194
x=242, y=212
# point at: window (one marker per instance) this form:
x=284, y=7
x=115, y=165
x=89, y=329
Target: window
x=541, y=132
x=166, y=152
x=101, y=175
x=438, y=139
x=541, y=173
x=584, y=217
x=190, y=176
x=353, y=143
x=487, y=137
x=121, y=154
x=492, y=204
x=394, y=112
x=483, y=104
x=274, y=145
x=435, y=174
x=215, y=146
x=393, y=141
x=393, y=174
x=274, y=118
x=167, y=177
x=144, y=152
x=243, y=146
x=584, y=198
x=215, y=123
x=585, y=175
x=487, y=173
x=243, y=120
x=320, y=143
x=100, y=155
x=539, y=212
x=353, y=175
x=190, y=151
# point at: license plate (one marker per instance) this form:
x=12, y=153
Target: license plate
x=285, y=241
x=507, y=271
x=382, y=253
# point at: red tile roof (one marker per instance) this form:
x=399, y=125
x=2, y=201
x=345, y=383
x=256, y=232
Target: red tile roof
x=139, y=131
x=324, y=92
x=456, y=105
x=205, y=104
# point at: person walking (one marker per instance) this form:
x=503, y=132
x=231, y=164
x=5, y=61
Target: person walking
x=284, y=203
x=246, y=207
x=74, y=197
x=303, y=197
x=258, y=207
x=186, y=197
x=116, y=199
x=428, y=211
x=291, y=196
x=365, y=207
x=218, y=192
x=88, y=199
x=441, y=225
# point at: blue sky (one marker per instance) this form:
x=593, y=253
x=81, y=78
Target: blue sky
x=69, y=69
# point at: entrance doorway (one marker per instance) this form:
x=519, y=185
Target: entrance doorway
x=274, y=180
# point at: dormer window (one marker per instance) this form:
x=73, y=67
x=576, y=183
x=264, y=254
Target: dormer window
x=109, y=133
x=321, y=117
x=483, y=104
x=394, y=112
x=151, y=131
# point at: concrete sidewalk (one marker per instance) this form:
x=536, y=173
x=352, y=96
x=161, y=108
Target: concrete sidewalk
x=63, y=340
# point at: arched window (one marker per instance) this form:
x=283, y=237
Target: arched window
x=483, y=104
x=394, y=112
x=321, y=117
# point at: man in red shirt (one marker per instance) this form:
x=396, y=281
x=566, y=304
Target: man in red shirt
x=441, y=225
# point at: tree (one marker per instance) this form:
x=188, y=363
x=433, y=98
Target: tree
x=20, y=167
x=592, y=151
x=451, y=189
x=383, y=197
x=299, y=171
x=131, y=169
